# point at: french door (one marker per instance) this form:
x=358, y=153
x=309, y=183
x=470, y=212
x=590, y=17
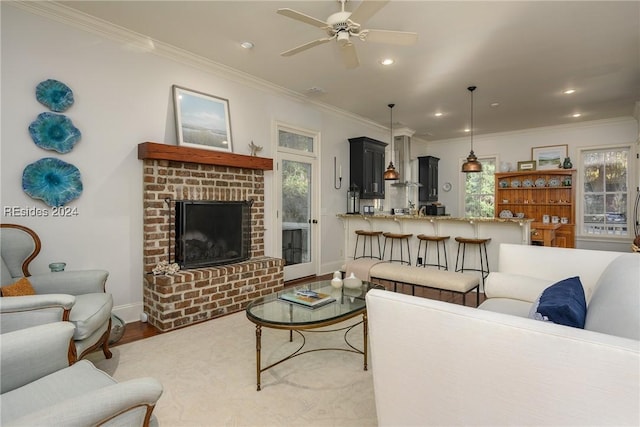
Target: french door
x=297, y=207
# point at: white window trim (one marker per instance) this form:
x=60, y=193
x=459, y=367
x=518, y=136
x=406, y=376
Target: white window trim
x=631, y=188
x=462, y=180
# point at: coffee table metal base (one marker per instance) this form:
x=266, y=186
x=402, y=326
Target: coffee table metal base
x=299, y=351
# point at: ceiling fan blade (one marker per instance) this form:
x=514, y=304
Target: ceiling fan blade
x=306, y=46
x=293, y=14
x=366, y=10
x=389, y=37
x=349, y=55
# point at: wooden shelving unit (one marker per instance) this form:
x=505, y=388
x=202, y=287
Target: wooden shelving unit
x=523, y=192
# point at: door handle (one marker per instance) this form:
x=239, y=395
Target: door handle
x=314, y=221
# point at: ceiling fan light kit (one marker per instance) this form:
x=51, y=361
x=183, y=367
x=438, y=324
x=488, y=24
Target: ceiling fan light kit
x=471, y=165
x=340, y=26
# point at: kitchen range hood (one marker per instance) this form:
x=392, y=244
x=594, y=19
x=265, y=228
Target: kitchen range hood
x=402, y=146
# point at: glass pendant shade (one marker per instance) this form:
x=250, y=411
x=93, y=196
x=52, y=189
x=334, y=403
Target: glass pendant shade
x=391, y=174
x=471, y=165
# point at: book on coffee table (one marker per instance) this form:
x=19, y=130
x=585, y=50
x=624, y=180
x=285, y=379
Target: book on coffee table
x=307, y=298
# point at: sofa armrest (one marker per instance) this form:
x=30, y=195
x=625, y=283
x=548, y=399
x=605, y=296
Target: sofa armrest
x=129, y=403
x=32, y=310
x=515, y=286
x=30, y=354
x=438, y=363
x=70, y=282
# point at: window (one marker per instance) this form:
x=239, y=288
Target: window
x=479, y=190
x=295, y=141
x=605, y=202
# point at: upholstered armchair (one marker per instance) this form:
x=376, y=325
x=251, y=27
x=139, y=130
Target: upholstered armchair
x=75, y=296
x=40, y=388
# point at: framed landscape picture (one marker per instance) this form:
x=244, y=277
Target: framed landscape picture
x=549, y=157
x=202, y=121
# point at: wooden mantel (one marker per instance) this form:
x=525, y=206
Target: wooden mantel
x=155, y=151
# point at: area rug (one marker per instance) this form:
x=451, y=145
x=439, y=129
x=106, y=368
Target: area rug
x=208, y=372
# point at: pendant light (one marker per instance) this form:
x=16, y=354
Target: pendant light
x=472, y=164
x=391, y=174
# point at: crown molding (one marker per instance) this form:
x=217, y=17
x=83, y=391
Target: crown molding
x=73, y=18
x=580, y=125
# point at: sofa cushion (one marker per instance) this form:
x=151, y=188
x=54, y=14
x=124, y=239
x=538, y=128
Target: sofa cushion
x=563, y=303
x=514, y=307
x=20, y=288
x=515, y=286
x=614, y=307
x=90, y=312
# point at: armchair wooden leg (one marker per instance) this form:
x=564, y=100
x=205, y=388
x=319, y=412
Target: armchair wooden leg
x=105, y=348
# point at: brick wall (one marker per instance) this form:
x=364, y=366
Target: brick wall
x=200, y=294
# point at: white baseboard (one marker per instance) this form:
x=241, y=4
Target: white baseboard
x=129, y=312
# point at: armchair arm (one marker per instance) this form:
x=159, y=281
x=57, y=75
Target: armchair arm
x=32, y=310
x=30, y=354
x=70, y=282
x=128, y=403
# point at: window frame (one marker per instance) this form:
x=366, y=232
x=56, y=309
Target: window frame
x=632, y=186
x=463, y=186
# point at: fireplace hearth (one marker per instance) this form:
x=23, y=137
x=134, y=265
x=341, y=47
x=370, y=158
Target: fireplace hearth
x=199, y=177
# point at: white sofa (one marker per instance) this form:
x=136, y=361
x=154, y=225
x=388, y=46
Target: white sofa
x=436, y=363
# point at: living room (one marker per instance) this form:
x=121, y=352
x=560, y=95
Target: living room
x=123, y=89
x=122, y=82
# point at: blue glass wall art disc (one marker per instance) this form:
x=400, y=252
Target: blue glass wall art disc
x=52, y=180
x=54, y=132
x=54, y=95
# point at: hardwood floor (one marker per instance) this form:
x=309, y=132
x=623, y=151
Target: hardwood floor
x=138, y=330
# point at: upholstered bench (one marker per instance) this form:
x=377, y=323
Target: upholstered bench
x=460, y=283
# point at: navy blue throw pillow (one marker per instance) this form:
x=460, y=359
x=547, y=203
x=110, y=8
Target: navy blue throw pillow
x=564, y=303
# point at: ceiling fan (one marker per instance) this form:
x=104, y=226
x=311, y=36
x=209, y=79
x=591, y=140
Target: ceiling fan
x=343, y=25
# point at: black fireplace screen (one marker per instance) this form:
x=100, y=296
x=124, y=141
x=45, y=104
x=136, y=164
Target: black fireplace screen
x=212, y=233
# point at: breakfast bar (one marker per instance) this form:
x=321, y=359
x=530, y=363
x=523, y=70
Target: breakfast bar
x=499, y=230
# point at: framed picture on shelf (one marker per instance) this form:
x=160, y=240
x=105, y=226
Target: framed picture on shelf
x=550, y=156
x=202, y=121
x=527, y=165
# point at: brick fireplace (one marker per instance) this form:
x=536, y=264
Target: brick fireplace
x=190, y=296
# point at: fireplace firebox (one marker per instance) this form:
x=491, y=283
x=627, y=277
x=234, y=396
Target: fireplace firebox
x=210, y=233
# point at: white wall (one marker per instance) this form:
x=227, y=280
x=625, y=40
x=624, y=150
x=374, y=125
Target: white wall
x=122, y=98
x=516, y=146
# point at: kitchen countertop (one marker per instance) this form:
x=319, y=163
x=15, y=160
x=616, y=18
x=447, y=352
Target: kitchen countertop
x=434, y=218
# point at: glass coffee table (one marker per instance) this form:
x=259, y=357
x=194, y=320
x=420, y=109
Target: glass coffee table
x=273, y=312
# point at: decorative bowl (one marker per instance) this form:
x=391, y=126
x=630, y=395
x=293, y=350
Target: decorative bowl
x=54, y=132
x=52, y=180
x=54, y=95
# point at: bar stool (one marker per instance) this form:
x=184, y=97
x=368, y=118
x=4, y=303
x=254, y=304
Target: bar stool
x=399, y=238
x=367, y=235
x=437, y=240
x=484, y=263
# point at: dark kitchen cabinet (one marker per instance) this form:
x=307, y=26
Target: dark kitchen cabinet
x=428, y=177
x=367, y=166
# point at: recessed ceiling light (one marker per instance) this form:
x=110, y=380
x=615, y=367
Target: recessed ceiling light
x=576, y=115
x=438, y=114
x=569, y=91
x=467, y=130
x=494, y=104
x=387, y=61
x=247, y=45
